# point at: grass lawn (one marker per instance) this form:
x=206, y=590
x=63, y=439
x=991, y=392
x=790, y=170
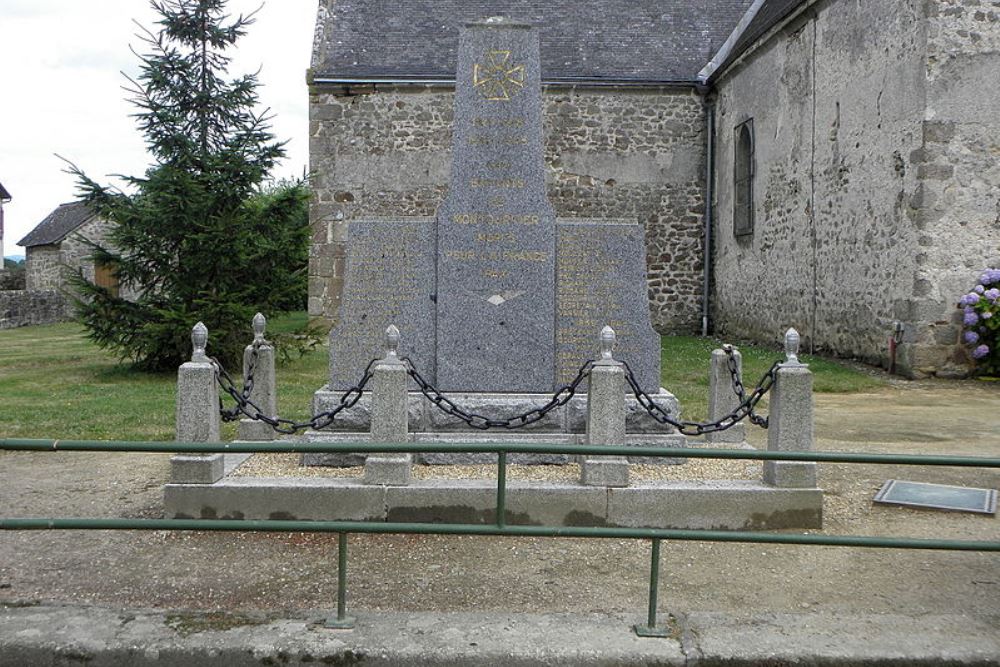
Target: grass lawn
x=55, y=383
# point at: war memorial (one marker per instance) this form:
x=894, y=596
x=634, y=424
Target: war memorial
x=495, y=322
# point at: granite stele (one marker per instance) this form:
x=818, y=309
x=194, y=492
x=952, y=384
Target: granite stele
x=497, y=301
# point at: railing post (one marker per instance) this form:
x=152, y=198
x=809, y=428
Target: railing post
x=389, y=418
x=721, y=398
x=606, y=417
x=264, y=392
x=790, y=420
x=197, y=416
x=650, y=629
x=342, y=621
x=501, y=511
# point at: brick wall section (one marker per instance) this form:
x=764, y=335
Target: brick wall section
x=19, y=308
x=609, y=153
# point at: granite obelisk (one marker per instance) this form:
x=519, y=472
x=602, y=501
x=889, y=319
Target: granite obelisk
x=496, y=229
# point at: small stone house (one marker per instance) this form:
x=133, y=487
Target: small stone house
x=59, y=244
x=824, y=164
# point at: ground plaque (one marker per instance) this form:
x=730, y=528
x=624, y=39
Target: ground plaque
x=496, y=229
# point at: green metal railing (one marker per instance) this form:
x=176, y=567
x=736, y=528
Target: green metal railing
x=499, y=527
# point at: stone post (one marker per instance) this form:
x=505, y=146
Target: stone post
x=790, y=424
x=197, y=417
x=389, y=419
x=264, y=393
x=721, y=398
x=605, y=418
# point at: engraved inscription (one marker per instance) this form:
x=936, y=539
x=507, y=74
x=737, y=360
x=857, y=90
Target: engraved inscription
x=387, y=283
x=589, y=295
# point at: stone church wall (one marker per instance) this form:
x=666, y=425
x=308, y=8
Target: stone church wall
x=960, y=174
x=837, y=100
x=609, y=153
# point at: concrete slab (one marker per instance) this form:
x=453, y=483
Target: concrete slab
x=727, y=505
x=276, y=498
x=841, y=639
x=715, y=505
x=99, y=637
x=474, y=501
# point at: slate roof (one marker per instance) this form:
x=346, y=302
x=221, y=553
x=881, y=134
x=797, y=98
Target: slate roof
x=611, y=40
x=770, y=13
x=4, y=195
x=58, y=225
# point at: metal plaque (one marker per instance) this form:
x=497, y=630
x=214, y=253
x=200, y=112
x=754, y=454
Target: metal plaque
x=937, y=496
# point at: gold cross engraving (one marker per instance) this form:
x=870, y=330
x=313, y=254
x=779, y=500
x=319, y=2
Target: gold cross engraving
x=497, y=80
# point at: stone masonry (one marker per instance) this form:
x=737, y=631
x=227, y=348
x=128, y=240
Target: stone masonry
x=20, y=308
x=46, y=264
x=385, y=152
x=876, y=183
x=876, y=186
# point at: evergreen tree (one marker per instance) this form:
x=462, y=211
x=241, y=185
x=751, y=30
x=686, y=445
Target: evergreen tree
x=197, y=237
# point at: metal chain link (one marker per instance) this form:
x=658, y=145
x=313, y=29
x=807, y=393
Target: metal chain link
x=242, y=396
x=483, y=423
x=247, y=408
x=734, y=373
x=743, y=410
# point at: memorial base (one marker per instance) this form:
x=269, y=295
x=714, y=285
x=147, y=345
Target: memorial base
x=477, y=458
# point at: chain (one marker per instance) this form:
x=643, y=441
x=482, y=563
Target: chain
x=734, y=374
x=743, y=410
x=241, y=396
x=247, y=408
x=482, y=423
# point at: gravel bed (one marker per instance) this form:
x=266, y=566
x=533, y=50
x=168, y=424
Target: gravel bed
x=287, y=465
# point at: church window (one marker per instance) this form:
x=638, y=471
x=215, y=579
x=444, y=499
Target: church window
x=743, y=173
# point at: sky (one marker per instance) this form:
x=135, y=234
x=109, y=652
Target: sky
x=61, y=93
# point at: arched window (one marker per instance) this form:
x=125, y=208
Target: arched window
x=743, y=171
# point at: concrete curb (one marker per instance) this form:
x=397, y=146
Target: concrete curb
x=98, y=637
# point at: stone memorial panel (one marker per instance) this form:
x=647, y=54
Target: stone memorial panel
x=601, y=281
x=389, y=280
x=496, y=229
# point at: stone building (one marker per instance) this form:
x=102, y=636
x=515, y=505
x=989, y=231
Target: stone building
x=826, y=164
x=874, y=168
x=59, y=244
x=4, y=198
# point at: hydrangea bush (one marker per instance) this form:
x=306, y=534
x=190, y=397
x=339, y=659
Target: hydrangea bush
x=981, y=308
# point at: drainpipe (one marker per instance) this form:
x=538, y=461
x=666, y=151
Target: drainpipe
x=709, y=194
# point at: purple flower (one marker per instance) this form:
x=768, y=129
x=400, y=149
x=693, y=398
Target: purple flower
x=987, y=315
x=980, y=352
x=978, y=289
x=971, y=337
x=992, y=294
x=990, y=276
x=969, y=299
x=970, y=318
